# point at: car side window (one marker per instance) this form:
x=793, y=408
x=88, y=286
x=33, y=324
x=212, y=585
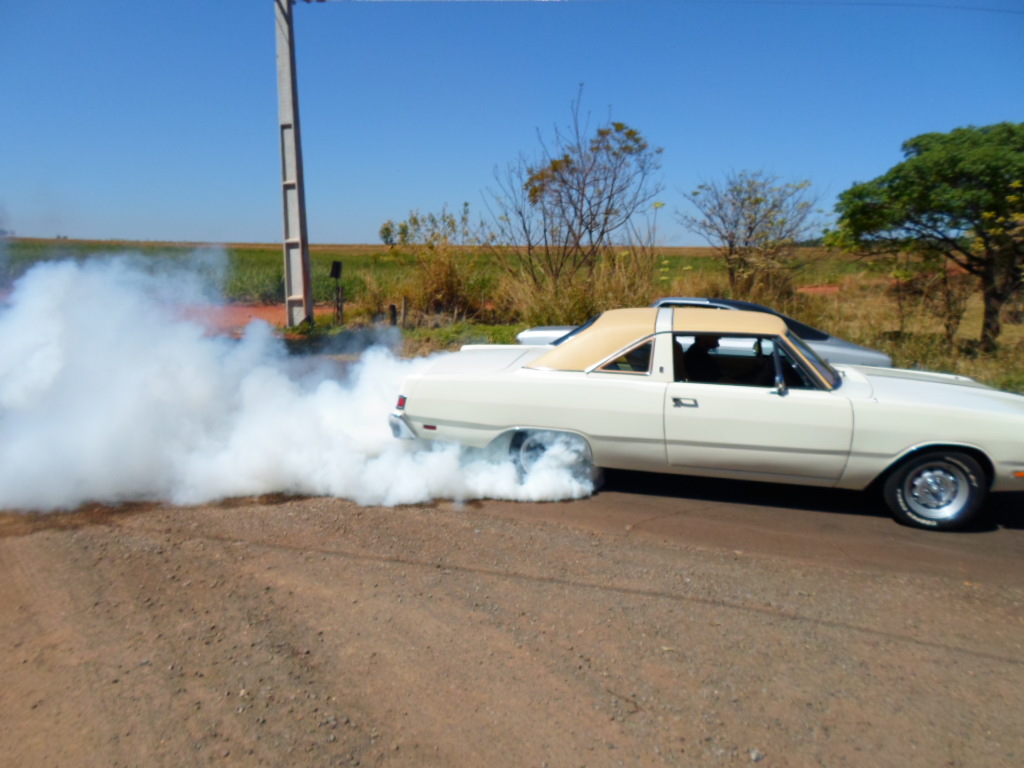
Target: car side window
x=708, y=358
x=793, y=373
x=635, y=360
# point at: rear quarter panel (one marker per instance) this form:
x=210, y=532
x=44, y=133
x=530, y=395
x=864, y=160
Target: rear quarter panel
x=620, y=416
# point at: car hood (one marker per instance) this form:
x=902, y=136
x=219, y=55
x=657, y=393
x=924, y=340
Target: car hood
x=929, y=388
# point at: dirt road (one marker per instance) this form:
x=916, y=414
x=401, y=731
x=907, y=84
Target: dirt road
x=642, y=627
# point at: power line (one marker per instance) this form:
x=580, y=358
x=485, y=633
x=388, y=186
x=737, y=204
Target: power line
x=814, y=3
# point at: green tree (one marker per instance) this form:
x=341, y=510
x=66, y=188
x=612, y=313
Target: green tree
x=957, y=195
x=755, y=223
x=558, y=219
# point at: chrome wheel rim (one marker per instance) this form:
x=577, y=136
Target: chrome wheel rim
x=938, y=491
x=576, y=456
x=531, y=449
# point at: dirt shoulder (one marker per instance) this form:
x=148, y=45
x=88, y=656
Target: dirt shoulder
x=313, y=632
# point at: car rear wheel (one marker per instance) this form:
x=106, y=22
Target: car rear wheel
x=528, y=447
x=941, y=490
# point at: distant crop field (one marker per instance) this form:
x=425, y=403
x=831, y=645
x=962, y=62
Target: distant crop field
x=850, y=297
x=256, y=270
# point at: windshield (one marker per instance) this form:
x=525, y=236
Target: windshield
x=826, y=371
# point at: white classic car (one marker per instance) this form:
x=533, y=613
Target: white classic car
x=732, y=395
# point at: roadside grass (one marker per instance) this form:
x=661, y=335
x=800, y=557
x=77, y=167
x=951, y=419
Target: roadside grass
x=857, y=306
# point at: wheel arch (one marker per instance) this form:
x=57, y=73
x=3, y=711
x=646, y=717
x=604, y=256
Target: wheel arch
x=520, y=446
x=975, y=453
x=507, y=439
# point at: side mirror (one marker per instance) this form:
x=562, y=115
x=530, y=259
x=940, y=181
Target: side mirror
x=780, y=385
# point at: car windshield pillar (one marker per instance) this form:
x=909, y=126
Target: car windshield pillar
x=826, y=372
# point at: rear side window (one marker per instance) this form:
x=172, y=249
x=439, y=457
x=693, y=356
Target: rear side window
x=635, y=360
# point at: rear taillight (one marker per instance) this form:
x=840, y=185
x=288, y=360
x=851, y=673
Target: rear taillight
x=401, y=403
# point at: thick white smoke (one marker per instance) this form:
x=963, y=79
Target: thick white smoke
x=108, y=392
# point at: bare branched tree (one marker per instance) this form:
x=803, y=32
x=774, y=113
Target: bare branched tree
x=755, y=224
x=557, y=218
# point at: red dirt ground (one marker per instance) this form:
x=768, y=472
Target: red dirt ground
x=231, y=319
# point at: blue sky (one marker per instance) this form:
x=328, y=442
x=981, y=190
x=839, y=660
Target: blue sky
x=158, y=120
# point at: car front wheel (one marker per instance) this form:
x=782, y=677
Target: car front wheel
x=941, y=490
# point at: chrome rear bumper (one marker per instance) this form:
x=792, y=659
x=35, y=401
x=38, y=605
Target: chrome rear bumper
x=400, y=427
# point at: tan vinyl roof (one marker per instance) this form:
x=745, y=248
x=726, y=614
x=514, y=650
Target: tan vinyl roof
x=619, y=328
x=699, y=320
x=612, y=331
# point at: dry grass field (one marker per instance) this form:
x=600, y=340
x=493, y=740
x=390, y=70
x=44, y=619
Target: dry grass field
x=849, y=297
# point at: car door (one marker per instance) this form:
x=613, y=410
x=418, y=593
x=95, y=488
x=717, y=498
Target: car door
x=741, y=425
x=620, y=410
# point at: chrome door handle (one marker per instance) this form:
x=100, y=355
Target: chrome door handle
x=684, y=402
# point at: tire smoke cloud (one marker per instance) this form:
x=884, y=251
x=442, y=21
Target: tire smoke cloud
x=111, y=391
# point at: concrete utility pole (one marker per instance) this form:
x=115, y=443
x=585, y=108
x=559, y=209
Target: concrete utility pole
x=298, y=281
